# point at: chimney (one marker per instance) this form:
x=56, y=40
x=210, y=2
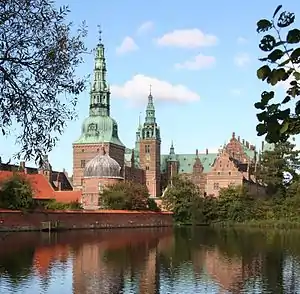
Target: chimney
x=233, y=135
x=206, y=151
x=247, y=144
x=22, y=165
x=239, y=138
x=243, y=142
x=65, y=172
x=262, y=146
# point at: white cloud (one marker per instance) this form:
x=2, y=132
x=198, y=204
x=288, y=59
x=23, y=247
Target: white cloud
x=137, y=90
x=145, y=27
x=191, y=38
x=242, y=59
x=128, y=45
x=198, y=62
x=242, y=40
x=236, y=92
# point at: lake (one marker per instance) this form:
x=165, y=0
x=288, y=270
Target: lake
x=183, y=260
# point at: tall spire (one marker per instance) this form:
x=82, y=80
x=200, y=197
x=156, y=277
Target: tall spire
x=150, y=110
x=150, y=129
x=100, y=95
x=172, y=151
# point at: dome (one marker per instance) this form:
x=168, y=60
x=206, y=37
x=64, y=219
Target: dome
x=97, y=129
x=102, y=166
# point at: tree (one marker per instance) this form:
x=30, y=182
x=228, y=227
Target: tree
x=125, y=195
x=16, y=193
x=38, y=58
x=276, y=164
x=277, y=120
x=184, y=200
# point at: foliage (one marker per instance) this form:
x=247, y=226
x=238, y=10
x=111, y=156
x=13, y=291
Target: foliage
x=152, y=205
x=277, y=120
x=38, y=57
x=55, y=205
x=184, y=200
x=125, y=195
x=275, y=163
x=16, y=193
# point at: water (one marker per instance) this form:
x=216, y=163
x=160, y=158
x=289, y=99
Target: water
x=149, y=261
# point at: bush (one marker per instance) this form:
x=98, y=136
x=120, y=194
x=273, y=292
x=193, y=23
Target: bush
x=125, y=195
x=55, y=205
x=16, y=193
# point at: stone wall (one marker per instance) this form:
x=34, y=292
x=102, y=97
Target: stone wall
x=19, y=221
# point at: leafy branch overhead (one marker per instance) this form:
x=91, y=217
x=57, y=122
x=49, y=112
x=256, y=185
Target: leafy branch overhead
x=38, y=58
x=279, y=117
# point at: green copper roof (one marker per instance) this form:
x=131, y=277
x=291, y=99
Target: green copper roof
x=99, y=126
x=150, y=130
x=98, y=129
x=186, y=162
x=172, y=155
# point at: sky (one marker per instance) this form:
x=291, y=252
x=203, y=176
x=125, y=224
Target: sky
x=200, y=57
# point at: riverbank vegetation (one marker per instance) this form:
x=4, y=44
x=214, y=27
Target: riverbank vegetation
x=279, y=206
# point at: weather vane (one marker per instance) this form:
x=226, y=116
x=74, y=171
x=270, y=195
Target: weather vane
x=150, y=86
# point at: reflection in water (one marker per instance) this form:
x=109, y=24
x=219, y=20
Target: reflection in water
x=149, y=261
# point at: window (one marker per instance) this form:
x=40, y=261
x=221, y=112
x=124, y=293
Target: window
x=148, y=183
x=216, y=186
x=82, y=150
x=229, y=173
x=82, y=163
x=219, y=173
x=147, y=167
x=147, y=148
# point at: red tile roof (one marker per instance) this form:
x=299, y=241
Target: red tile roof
x=67, y=196
x=42, y=189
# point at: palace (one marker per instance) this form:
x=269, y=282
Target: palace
x=100, y=158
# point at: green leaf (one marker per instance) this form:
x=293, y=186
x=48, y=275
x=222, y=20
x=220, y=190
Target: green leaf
x=284, y=127
x=296, y=75
x=263, y=72
x=262, y=116
x=275, y=55
x=273, y=108
x=267, y=43
x=295, y=56
x=276, y=10
x=285, y=19
x=286, y=99
x=293, y=36
x=276, y=76
x=261, y=129
x=263, y=25
x=266, y=97
x=259, y=105
x=283, y=115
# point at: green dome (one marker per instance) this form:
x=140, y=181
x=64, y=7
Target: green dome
x=98, y=129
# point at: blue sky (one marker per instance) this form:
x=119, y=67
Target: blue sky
x=199, y=56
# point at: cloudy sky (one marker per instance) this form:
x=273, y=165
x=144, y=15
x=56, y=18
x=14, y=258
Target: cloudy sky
x=199, y=56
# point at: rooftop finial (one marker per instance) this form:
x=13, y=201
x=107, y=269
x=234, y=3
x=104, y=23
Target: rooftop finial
x=140, y=118
x=100, y=34
x=150, y=87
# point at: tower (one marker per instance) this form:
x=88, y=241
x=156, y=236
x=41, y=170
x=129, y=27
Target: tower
x=99, y=129
x=172, y=163
x=150, y=150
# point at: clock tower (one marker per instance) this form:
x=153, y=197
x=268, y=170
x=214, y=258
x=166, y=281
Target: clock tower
x=150, y=150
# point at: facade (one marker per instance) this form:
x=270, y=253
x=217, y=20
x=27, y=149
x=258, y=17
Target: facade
x=233, y=164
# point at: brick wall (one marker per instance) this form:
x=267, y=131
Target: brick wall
x=18, y=221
